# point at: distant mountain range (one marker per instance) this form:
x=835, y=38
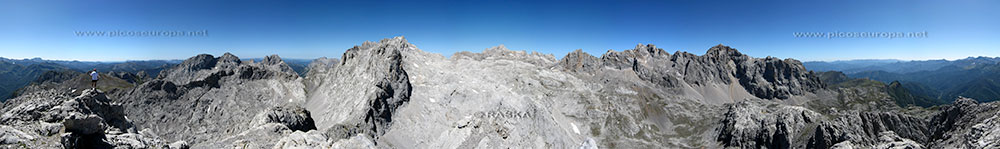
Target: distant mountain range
x=18, y=73
x=901, y=96
x=895, y=66
x=941, y=80
x=152, y=67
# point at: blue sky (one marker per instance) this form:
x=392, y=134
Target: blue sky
x=312, y=29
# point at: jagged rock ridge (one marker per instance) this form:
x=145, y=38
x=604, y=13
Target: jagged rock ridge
x=766, y=78
x=390, y=94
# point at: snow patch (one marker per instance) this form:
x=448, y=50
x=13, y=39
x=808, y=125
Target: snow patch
x=623, y=90
x=575, y=129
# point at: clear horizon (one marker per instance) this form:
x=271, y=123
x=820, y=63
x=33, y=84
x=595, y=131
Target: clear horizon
x=178, y=29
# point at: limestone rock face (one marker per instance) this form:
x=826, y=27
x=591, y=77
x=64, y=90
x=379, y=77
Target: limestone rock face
x=295, y=118
x=766, y=78
x=865, y=129
x=364, y=89
x=889, y=139
x=579, y=61
x=315, y=139
x=211, y=101
x=965, y=124
x=748, y=125
x=55, y=119
x=318, y=71
x=639, y=98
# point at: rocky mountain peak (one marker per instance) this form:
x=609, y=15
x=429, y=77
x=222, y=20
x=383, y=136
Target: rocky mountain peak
x=204, y=67
x=388, y=46
x=276, y=61
x=499, y=49
x=579, y=61
x=723, y=52
x=640, y=52
x=188, y=70
x=502, y=53
x=228, y=60
x=201, y=61
x=650, y=50
x=398, y=40
x=272, y=60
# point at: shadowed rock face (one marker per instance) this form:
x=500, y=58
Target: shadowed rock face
x=365, y=88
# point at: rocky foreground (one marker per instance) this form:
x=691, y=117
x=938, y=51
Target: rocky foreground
x=390, y=94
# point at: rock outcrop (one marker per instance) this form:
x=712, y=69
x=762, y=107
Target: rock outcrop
x=965, y=124
x=55, y=119
x=221, y=102
x=294, y=117
x=866, y=129
x=749, y=125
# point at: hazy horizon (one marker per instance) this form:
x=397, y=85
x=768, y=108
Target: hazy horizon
x=178, y=29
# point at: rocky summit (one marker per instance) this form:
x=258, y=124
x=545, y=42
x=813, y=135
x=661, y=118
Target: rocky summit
x=391, y=94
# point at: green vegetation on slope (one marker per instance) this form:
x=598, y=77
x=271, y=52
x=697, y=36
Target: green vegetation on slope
x=948, y=83
x=16, y=76
x=896, y=91
x=904, y=98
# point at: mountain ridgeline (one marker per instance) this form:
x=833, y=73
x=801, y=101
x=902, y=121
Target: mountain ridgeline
x=19, y=73
x=22, y=73
x=391, y=94
x=940, y=80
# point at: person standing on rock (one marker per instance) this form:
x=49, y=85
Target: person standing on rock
x=93, y=79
